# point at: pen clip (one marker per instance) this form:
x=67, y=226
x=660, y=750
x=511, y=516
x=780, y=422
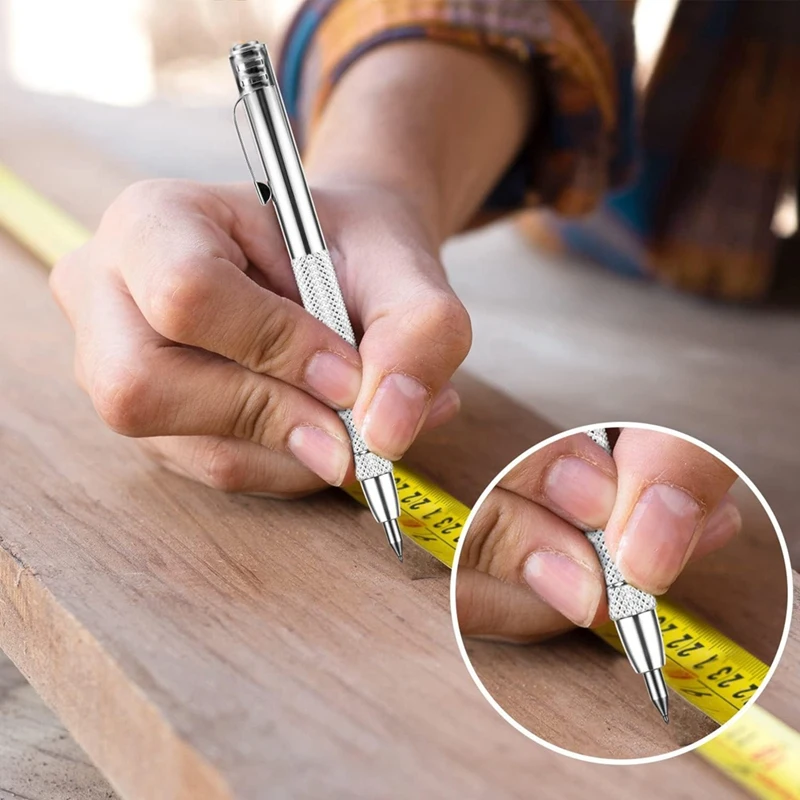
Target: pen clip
x=262, y=187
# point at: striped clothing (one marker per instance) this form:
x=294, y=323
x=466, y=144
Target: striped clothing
x=680, y=184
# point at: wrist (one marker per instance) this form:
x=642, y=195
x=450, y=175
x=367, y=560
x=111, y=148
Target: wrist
x=417, y=201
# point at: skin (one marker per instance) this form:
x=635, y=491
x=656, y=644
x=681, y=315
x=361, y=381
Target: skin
x=189, y=335
x=527, y=571
x=188, y=330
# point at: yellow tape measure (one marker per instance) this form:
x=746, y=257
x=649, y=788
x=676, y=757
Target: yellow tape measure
x=708, y=669
x=35, y=222
x=429, y=516
x=759, y=752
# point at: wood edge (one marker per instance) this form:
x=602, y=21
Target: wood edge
x=149, y=758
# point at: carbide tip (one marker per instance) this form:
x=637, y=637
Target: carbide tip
x=394, y=536
x=657, y=689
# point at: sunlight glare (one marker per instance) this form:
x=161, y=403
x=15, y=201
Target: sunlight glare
x=97, y=50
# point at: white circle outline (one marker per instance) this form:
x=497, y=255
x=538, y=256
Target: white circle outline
x=597, y=759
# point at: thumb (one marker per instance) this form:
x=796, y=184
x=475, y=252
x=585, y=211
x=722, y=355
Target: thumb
x=416, y=333
x=667, y=489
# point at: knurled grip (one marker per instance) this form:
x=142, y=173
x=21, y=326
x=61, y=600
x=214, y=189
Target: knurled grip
x=322, y=298
x=623, y=600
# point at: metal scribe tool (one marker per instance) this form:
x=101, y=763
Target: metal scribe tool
x=286, y=185
x=634, y=614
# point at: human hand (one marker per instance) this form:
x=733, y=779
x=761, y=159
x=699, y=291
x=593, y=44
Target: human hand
x=189, y=333
x=662, y=501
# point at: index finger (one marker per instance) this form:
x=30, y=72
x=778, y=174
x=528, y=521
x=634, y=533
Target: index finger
x=187, y=275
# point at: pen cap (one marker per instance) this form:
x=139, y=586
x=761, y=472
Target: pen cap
x=251, y=66
x=276, y=150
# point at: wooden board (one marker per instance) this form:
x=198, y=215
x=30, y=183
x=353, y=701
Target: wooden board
x=228, y=642
x=235, y=645
x=38, y=758
x=741, y=590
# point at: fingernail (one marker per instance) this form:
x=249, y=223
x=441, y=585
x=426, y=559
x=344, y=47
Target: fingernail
x=394, y=415
x=334, y=378
x=322, y=453
x=582, y=490
x=656, y=539
x=445, y=406
x=570, y=587
x=721, y=526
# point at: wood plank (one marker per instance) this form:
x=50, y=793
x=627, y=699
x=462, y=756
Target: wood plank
x=228, y=642
x=38, y=758
x=236, y=643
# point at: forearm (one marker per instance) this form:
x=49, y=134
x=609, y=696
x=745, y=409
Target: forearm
x=434, y=123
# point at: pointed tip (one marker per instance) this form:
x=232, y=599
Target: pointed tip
x=394, y=537
x=657, y=689
x=662, y=709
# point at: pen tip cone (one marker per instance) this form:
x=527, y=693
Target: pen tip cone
x=394, y=537
x=657, y=690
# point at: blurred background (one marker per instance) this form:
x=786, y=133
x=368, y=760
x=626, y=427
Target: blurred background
x=148, y=86
x=148, y=82
x=139, y=75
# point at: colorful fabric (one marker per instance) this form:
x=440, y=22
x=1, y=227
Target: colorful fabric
x=683, y=191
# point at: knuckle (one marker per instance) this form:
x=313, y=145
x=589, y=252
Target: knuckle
x=257, y=415
x=177, y=302
x=481, y=545
x=133, y=208
x=444, y=315
x=62, y=275
x=222, y=468
x=122, y=396
x=140, y=205
x=141, y=194
x=273, y=346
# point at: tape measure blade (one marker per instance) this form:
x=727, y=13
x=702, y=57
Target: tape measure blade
x=35, y=222
x=760, y=753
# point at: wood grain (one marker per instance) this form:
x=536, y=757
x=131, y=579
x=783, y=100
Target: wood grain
x=199, y=645
x=576, y=693
x=38, y=758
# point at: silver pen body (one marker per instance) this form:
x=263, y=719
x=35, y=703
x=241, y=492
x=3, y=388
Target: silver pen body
x=633, y=613
x=311, y=262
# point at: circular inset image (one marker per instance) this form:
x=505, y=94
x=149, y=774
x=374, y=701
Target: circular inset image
x=621, y=592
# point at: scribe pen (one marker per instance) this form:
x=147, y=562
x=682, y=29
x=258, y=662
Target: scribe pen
x=285, y=184
x=634, y=614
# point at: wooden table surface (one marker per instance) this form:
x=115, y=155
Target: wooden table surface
x=233, y=643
